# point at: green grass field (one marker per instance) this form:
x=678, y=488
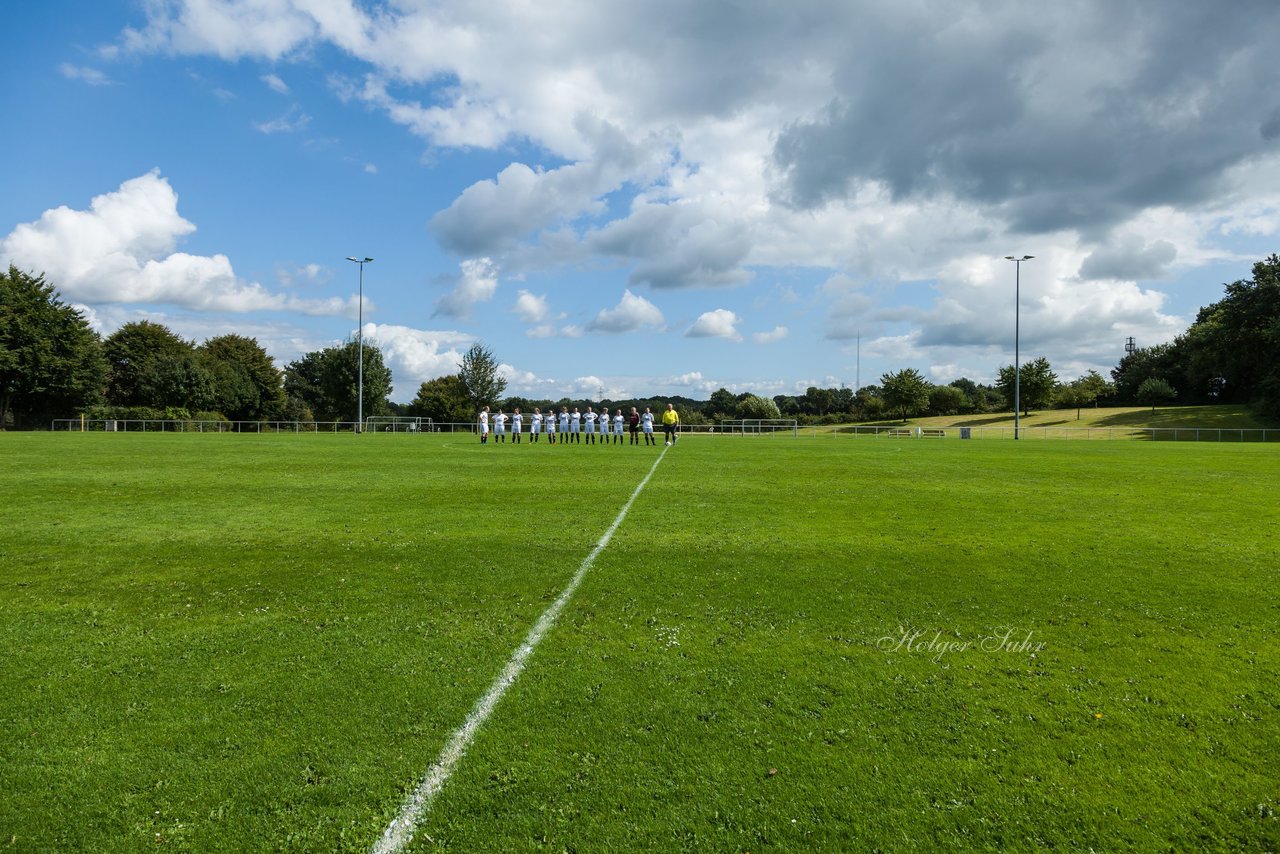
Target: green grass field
x=233, y=643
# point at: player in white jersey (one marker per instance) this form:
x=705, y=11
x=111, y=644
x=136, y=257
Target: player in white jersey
x=589, y=420
x=564, y=424
x=617, y=427
x=575, y=425
x=535, y=424
x=500, y=427
x=517, y=424
x=550, y=423
x=484, y=425
x=646, y=426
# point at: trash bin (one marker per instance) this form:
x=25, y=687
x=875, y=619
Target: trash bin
x=964, y=432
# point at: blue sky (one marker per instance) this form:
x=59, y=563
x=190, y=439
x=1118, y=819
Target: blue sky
x=631, y=199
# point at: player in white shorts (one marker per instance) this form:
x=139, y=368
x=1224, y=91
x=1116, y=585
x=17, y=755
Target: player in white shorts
x=575, y=425
x=535, y=424
x=590, y=429
x=617, y=427
x=550, y=423
x=564, y=424
x=500, y=427
x=646, y=427
x=517, y=423
x=484, y=425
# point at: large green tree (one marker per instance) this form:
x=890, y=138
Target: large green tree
x=817, y=401
x=341, y=380
x=304, y=382
x=478, y=372
x=1082, y=391
x=905, y=392
x=327, y=381
x=132, y=352
x=1162, y=361
x=176, y=380
x=1037, y=384
x=843, y=400
x=977, y=397
x=51, y=361
x=947, y=400
x=444, y=399
x=1155, y=391
x=1233, y=348
x=721, y=404
x=246, y=384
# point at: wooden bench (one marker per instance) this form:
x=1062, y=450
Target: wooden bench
x=932, y=433
x=901, y=433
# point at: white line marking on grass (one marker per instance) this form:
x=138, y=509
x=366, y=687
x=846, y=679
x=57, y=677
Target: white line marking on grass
x=400, y=832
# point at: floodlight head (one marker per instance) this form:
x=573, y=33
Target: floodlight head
x=1023, y=258
x=350, y=258
x=367, y=260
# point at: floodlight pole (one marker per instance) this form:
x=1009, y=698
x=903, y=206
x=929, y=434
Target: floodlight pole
x=857, y=382
x=1017, y=364
x=360, y=340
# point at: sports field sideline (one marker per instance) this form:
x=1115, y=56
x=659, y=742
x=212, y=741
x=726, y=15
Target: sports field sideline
x=233, y=642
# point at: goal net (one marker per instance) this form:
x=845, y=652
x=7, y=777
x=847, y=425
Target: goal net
x=396, y=424
x=760, y=427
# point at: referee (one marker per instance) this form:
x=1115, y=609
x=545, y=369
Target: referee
x=670, y=423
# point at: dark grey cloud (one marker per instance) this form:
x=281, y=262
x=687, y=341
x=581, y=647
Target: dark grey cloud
x=677, y=246
x=1162, y=100
x=1129, y=260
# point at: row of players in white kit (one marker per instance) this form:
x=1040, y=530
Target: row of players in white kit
x=570, y=424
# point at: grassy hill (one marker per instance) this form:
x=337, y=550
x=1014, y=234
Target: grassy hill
x=1227, y=417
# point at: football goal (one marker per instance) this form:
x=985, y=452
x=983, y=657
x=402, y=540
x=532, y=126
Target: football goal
x=396, y=424
x=760, y=426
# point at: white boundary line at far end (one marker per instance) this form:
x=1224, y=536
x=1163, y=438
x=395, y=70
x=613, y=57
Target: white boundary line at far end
x=400, y=832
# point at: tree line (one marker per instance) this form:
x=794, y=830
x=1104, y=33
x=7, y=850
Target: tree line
x=53, y=364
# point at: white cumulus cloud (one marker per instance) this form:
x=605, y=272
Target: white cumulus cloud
x=776, y=334
x=720, y=323
x=630, y=314
x=477, y=283
x=531, y=308
x=122, y=250
x=417, y=355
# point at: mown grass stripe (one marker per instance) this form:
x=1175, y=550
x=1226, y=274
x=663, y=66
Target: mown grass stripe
x=399, y=832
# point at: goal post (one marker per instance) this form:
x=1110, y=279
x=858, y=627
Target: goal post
x=760, y=426
x=396, y=424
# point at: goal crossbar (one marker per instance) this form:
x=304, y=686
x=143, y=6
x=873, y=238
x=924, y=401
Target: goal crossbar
x=396, y=424
x=760, y=426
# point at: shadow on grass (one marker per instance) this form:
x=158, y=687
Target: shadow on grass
x=1211, y=417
